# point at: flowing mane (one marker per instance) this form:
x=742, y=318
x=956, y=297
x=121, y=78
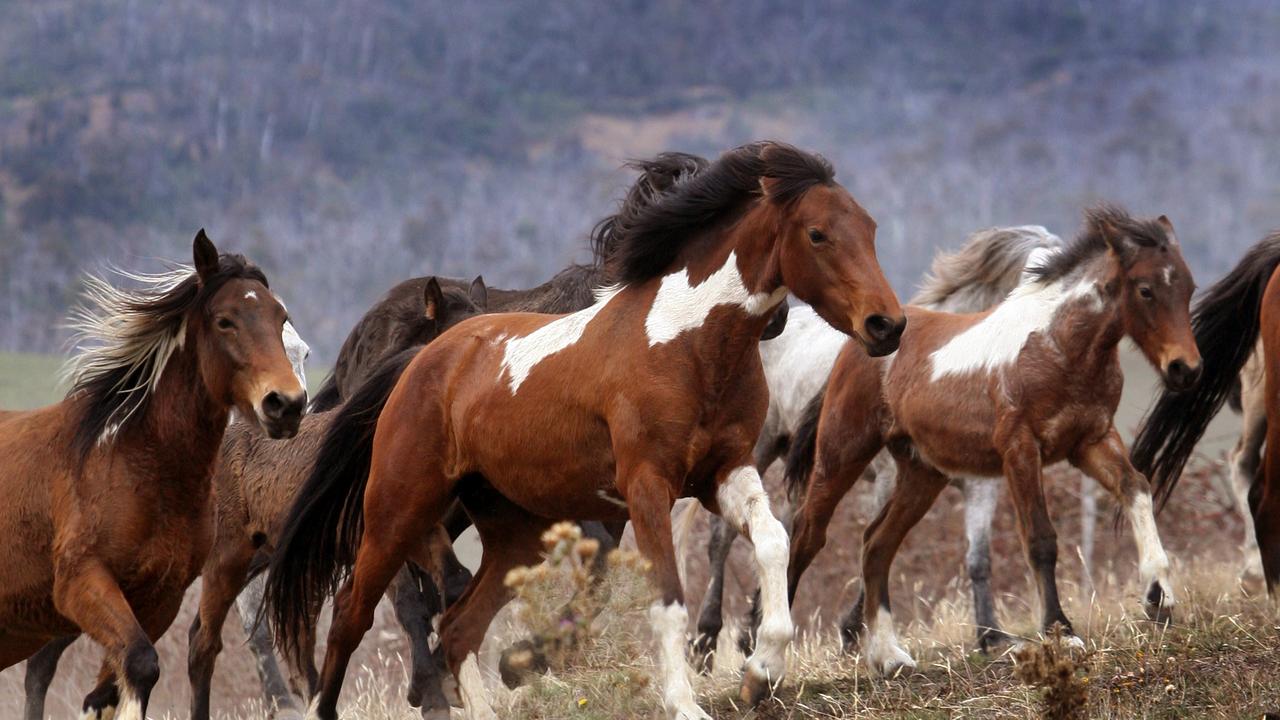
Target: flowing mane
x=981, y=273
x=1091, y=242
x=647, y=233
x=124, y=339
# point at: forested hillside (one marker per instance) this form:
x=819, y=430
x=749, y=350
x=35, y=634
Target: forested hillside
x=347, y=145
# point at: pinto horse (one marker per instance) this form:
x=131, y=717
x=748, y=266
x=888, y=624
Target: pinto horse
x=653, y=393
x=1228, y=321
x=108, y=515
x=1007, y=392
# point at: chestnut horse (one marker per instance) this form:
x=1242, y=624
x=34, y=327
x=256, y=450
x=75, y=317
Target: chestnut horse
x=796, y=366
x=42, y=666
x=1229, y=319
x=108, y=518
x=525, y=418
x=1030, y=383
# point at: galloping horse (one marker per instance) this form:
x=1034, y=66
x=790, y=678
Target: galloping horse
x=1229, y=319
x=796, y=367
x=525, y=418
x=42, y=666
x=107, y=520
x=1032, y=382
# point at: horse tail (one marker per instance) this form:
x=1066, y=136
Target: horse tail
x=1226, y=324
x=321, y=531
x=327, y=397
x=803, y=449
x=985, y=270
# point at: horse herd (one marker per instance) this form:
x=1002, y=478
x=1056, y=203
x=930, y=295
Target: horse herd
x=668, y=368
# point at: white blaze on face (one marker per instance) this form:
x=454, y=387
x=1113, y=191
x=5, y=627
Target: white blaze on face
x=669, y=623
x=744, y=504
x=523, y=353
x=251, y=295
x=680, y=306
x=998, y=339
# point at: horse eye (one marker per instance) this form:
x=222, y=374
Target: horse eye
x=225, y=324
x=1145, y=293
x=816, y=237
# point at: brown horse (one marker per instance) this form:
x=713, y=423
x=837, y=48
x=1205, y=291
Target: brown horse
x=108, y=518
x=1005, y=392
x=525, y=418
x=1228, y=321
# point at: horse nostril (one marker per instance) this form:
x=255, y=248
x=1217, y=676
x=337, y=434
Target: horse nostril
x=1182, y=375
x=273, y=405
x=879, y=327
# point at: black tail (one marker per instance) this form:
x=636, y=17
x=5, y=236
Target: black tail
x=327, y=397
x=1226, y=326
x=803, y=448
x=321, y=532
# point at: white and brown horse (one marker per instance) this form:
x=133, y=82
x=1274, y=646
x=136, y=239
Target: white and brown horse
x=1004, y=393
x=108, y=517
x=653, y=393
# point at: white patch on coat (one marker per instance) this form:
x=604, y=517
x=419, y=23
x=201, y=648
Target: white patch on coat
x=680, y=306
x=297, y=351
x=884, y=655
x=1153, y=563
x=796, y=366
x=669, y=624
x=998, y=339
x=523, y=353
x=744, y=504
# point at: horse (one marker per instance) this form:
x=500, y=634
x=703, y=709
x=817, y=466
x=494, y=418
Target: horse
x=254, y=486
x=1236, y=314
x=1005, y=392
x=108, y=515
x=796, y=366
x=1246, y=456
x=525, y=418
x=42, y=666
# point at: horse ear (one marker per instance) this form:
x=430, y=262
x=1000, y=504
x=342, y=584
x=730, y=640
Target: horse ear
x=479, y=293
x=1117, y=242
x=767, y=187
x=206, y=256
x=1168, y=228
x=432, y=299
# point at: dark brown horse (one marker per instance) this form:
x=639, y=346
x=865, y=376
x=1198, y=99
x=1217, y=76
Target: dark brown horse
x=525, y=418
x=1005, y=392
x=108, y=516
x=1228, y=321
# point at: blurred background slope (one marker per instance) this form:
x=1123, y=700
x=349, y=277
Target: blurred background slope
x=347, y=145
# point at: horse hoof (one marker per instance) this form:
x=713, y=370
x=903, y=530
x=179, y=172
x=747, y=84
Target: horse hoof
x=991, y=639
x=1159, y=614
x=702, y=653
x=520, y=663
x=754, y=689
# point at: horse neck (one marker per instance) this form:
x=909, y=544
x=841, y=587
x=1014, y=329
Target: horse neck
x=1089, y=328
x=183, y=421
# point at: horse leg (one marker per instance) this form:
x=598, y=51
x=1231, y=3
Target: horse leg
x=104, y=698
x=917, y=487
x=981, y=496
x=1088, y=523
x=416, y=601
x=742, y=501
x=650, y=499
x=223, y=577
x=41, y=668
x=1245, y=462
x=711, y=614
x=278, y=695
x=1264, y=503
x=89, y=596
x=405, y=493
x=883, y=474
x=1039, y=539
x=1108, y=463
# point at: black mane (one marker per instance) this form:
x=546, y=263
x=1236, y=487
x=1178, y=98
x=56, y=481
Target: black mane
x=644, y=237
x=1091, y=241
x=112, y=379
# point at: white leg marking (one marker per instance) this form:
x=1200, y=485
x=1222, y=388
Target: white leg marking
x=669, y=625
x=1153, y=564
x=745, y=505
x=1240, y=485
x=981, y=495
x=884, y=655
x=475, y=696
x=130, y=707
